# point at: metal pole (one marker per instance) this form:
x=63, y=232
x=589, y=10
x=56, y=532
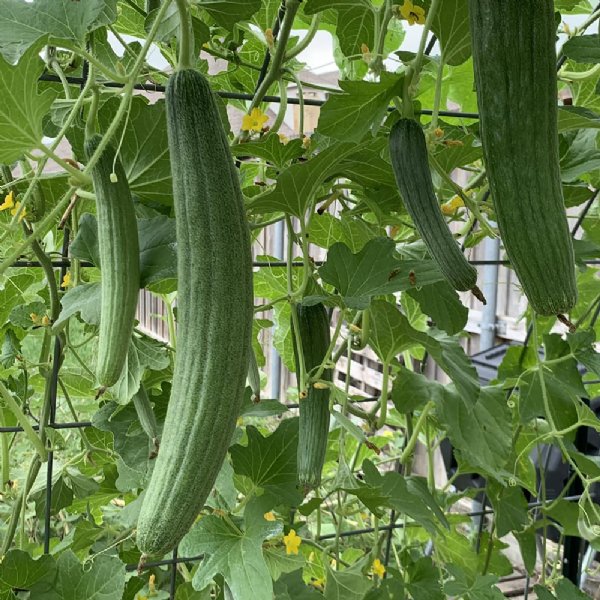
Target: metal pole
x=275, y=370
x=491, y=251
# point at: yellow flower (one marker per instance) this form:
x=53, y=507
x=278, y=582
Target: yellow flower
x=306, y=142
x=450, y=207
x=254, y=121
x=66, y=282
x=377, y=568
x=438, y=132
x=318, y=582
x=413, y=14
x=45, y=321
x=319, y=385
x=151, y=584
x=269, y=516
x=292, y=542
x=13, y=211
x=9, y=201
x=35, y=318
x=283, y=138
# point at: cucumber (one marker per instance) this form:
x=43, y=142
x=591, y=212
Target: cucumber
x=145, y=414
x=214, y=315
x=408, y=153
x=314, y=333
x=515, y=75
x=119, y=262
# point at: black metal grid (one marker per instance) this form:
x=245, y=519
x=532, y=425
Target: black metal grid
x=64, y=263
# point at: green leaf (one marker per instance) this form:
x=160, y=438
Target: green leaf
x=85, y=244
x=270, y=462
x=579, y=154
x=390, y=333
x=297, y=185
x=20, y=315
x=563, y=590
x=355, y=23
x=350, y=584
x=22, y=24
x=481, y=432
x=374, y=271
x=234, y=553
x=229, y=12
x=583, y=48
x=424, y=580
x=361, y=108
x=278, y=562
x=451, y=26
x=158, y=253
x=407, y=495
x=12, y=292
x=577, y=117
x=144, y=353
x=443, y=305
x=11, y=348
x=477, y=587
x=21, y=107
x=292, y=587
x=412, y=391
x=157, y=244
x=145, y=150
x=83, y=299
x=102, y=578
x=130, y=442
x=19, y=570
x=271, y=148
x=510, y=506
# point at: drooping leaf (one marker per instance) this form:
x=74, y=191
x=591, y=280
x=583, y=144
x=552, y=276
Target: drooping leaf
x=22, y=108
x=451, y=26
x=229, y=12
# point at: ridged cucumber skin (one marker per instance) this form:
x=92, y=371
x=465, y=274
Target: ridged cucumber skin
x=146, y=417
x=119, y=262
x=313, y=326
x=214, y=315
x=514, y=58
x=410, y=163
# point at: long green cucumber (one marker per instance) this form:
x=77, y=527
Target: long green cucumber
x=214, y=315
x=119, y=262
x=408, y=153
x=314, y=334
x=147, y=418
x=515, y=75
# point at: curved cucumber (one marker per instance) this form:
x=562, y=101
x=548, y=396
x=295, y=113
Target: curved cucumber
x=119, y=262
x=214, y=315
x=313, y=325
x=515, y=74
x=408, y=152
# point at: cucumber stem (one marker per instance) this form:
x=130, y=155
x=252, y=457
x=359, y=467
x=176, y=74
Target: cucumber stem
x=186, y=36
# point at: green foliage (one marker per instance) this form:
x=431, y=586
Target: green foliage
x=355, y=252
